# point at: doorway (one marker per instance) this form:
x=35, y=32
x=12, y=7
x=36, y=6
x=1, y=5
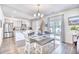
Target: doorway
x=56, y=28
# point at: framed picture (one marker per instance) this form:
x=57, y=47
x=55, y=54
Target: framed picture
x=73, y=20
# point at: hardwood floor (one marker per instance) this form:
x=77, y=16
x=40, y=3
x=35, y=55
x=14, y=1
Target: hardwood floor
x=9, y=46
x=64, y=48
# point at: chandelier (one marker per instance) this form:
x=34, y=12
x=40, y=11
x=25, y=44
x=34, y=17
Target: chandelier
x=38, y=14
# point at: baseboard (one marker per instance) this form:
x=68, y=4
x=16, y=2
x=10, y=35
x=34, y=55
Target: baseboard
x=68, y=43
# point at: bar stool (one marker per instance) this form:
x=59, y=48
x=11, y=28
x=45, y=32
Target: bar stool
x=30, y=44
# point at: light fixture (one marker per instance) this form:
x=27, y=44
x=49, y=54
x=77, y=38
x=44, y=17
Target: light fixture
x=38, y=14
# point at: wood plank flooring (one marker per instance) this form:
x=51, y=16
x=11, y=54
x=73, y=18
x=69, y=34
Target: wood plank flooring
x=9, y=46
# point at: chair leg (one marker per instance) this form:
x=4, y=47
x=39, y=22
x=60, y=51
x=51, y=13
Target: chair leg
x=27, y=47
x=41, y=50
x=35, y=47
x=29, y=50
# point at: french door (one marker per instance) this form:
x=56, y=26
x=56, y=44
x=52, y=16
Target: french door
x=56, y=27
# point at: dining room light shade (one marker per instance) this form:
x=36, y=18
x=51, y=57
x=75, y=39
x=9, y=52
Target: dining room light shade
x=38, y=15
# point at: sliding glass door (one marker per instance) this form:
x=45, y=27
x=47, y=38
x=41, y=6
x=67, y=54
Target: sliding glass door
x=56, y=27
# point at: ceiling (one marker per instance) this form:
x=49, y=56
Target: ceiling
x=27, y=10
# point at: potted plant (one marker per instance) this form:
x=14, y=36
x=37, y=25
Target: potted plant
x=74, y=28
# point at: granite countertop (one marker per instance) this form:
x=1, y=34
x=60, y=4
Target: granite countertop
x=41, y=40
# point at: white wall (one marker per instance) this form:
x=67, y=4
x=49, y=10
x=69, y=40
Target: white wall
x=1, y=28
x=68, y=13
x=36, y=25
